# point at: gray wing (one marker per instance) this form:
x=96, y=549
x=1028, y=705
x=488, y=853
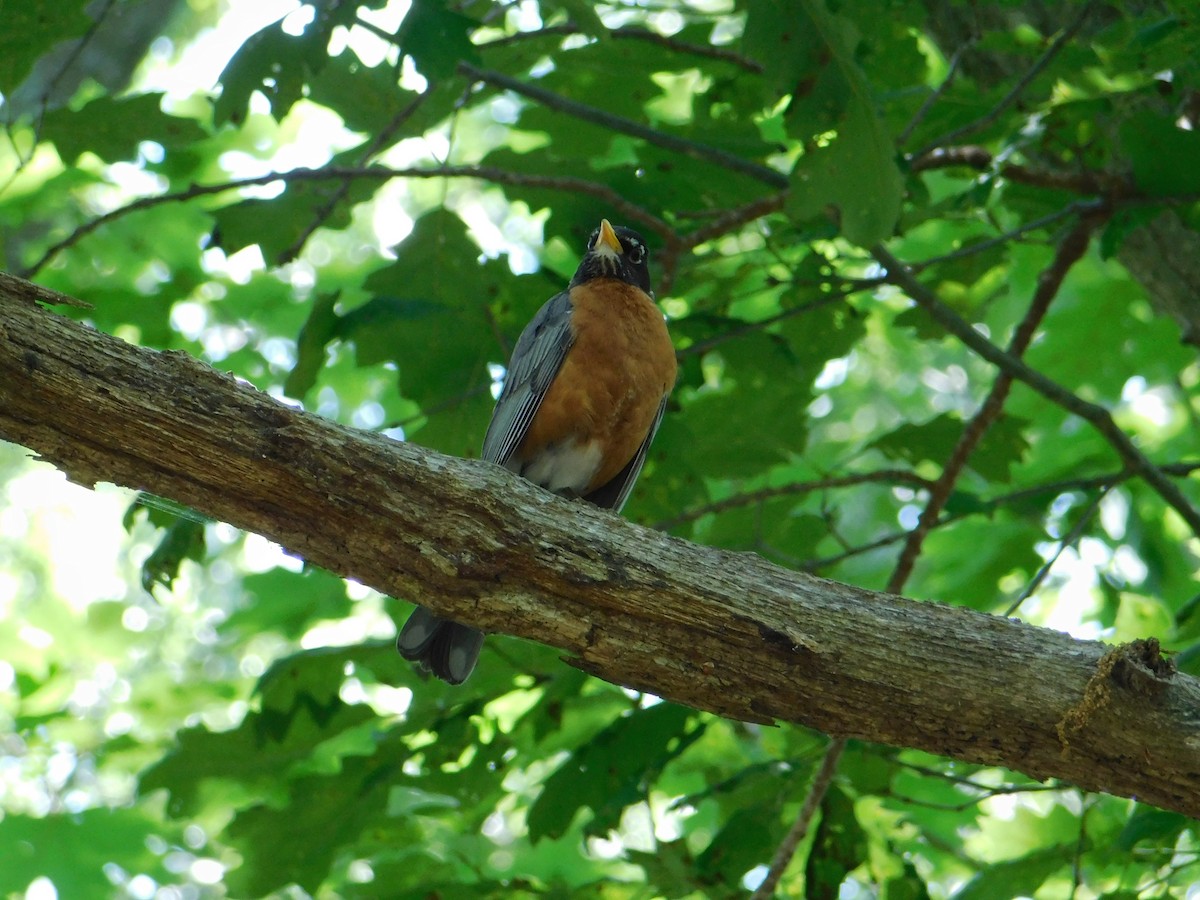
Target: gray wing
x=613, y=494
x=538, y=356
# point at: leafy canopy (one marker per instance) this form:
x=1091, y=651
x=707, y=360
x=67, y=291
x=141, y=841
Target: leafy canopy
x=358, y=205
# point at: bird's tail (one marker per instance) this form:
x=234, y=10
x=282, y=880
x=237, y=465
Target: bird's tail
x=447, y=649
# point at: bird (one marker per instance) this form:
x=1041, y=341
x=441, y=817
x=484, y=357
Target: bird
x=582, y=399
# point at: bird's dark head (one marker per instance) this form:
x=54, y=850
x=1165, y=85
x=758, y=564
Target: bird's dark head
x=615, y=253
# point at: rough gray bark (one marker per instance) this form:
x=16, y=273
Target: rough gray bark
x=719, y=631
x=1164, y=257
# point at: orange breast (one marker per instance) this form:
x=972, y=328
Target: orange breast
x=610, y=385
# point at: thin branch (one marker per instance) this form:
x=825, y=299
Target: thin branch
x=726, y=221
x=817, y=563
x=931, y=772
x=1070, y=251
x=988, y=794
x=69, y=60
x=567, y=184
x=639, y=34
x=691, y=149
x=1017, y=89
x=668, y=264
x=797, y=489
x=1095, y=415
x=973, y=156
x=987, y=507
x=934, y=96
x=1079, y=207
x=816, y=793
x=1069, y=541
x=723, y=222
x=751, y=327
x=377, y=143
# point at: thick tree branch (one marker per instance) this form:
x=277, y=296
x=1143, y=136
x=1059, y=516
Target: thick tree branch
x=720, y=631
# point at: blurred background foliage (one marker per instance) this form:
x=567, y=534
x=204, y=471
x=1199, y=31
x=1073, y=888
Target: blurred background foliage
x=355, y=206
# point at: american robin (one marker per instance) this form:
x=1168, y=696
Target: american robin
x=584, y=394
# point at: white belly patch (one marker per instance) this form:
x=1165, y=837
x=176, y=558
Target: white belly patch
x=565, y=468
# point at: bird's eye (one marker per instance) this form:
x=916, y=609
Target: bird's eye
x=636, y=253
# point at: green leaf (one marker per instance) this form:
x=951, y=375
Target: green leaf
x=839, y=847
x=779, y=34
x=1163, y=154
x=436, y=38
x=908, y=886
x=1015, y=877
x=670, y=867
x=279, y=65
x=1159, y=827
x=810, y=53
x=288, y=602
x=182, y=539
x=319, y=329
x=250, y=759
x=737, y=848
x=73, y=850
x=856, y=173
x=612, y=771
x=297, y=843
x=1003, y=446
x=266, y=63
x=113, y=129
x=31, y=28
x=366, y=98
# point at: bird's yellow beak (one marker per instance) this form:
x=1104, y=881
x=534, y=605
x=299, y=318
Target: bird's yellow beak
x=608, y=237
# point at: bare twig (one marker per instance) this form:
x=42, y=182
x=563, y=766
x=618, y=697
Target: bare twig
x=1017, y=89
x=988, y=793
x=1070, y=251
x=377, y=143
x=1072, y=248
x=1095, y=415
x=691, y=149
x=980, y=159
x=1069, y=541
x=987, y=507
x=816, y=793
x=726, y=221
x=934, y=96
x=1079, y=207
x=69, y=60
x=638, y=34
x=881, y=476
x=630, y=211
